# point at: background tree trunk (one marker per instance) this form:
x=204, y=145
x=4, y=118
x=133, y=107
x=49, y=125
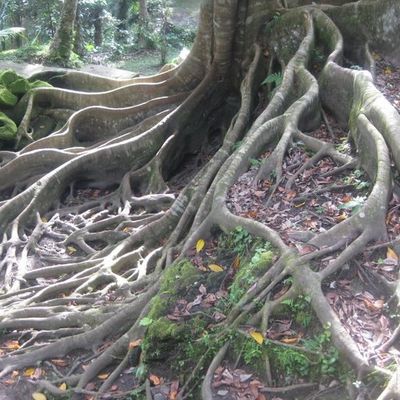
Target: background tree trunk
x=62, y=43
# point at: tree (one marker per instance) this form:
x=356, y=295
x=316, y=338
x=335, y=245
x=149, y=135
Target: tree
x=61, y=46
x=80, y=270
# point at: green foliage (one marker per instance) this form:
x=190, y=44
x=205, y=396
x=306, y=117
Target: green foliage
x=254, y=162
x=357, y=178
x=354, y=205
x=328, y=361
x=290, y=362
x=252, y=352
x=238, y=241
x=300, y=308
x=274, y=78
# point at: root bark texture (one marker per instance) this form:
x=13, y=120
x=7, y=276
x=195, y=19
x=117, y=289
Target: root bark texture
x=91, y=217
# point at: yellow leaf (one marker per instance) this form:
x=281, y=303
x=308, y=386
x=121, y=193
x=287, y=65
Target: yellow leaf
x=71, y=250
x=44, y=220
x=103, y=377
x=126, y=230
x=388, y=71
x=215, y=268
x=200, y=245
x=392, y=254
x=29, y=372
x=257, y=336
x=342, y=217
x=38, y=396
x=63, y=387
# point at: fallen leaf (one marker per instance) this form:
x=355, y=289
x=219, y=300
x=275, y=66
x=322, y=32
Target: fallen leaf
x=38, y=396
x=215, y=268
x=29, y=372
x=392, y=254
x=103, y=376
x=71, y=250
x=173, y=393
x=60, y=362
x=236, y=263
x=12, y=345
x=294, y=340
x=154, y=379
x=44, y=219
x=257, y=336
x=9, y=382
x=341, y=217
x=63, y=387
x=135, y=343
x=200, y=245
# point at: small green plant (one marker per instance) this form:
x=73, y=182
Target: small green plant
x=300, y=308
x=238, y=241
x=252, y=351
x=275, y=78
x=291, y=362
x=357, y=179
x=254, y=162
x=343, y=146
x=329, y=356
x=354, y=205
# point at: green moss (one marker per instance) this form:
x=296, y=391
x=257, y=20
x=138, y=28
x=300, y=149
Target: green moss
x=7, y=77
x=38, y=84
x=7, y=98
x=8, y=129
x=177, y=280
x=19, y=86
x=249, y=273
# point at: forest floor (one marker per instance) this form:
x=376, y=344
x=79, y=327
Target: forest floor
x=308, y=201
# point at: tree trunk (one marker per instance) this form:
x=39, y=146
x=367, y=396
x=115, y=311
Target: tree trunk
x=98, y=27
x=102, y=237
x=62, y=43
x=122, y=15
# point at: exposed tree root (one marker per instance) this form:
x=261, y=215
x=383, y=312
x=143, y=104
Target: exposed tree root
x=89, y=223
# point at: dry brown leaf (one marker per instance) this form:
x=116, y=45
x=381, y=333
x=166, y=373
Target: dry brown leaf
x=173, y=393
x=12, y=345
x=154, y=379
x=135, y=343
x=59, y=362
x=103, y=376
x=236, y=263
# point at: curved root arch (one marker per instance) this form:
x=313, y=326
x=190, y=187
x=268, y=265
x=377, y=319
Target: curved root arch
x=91, y=224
